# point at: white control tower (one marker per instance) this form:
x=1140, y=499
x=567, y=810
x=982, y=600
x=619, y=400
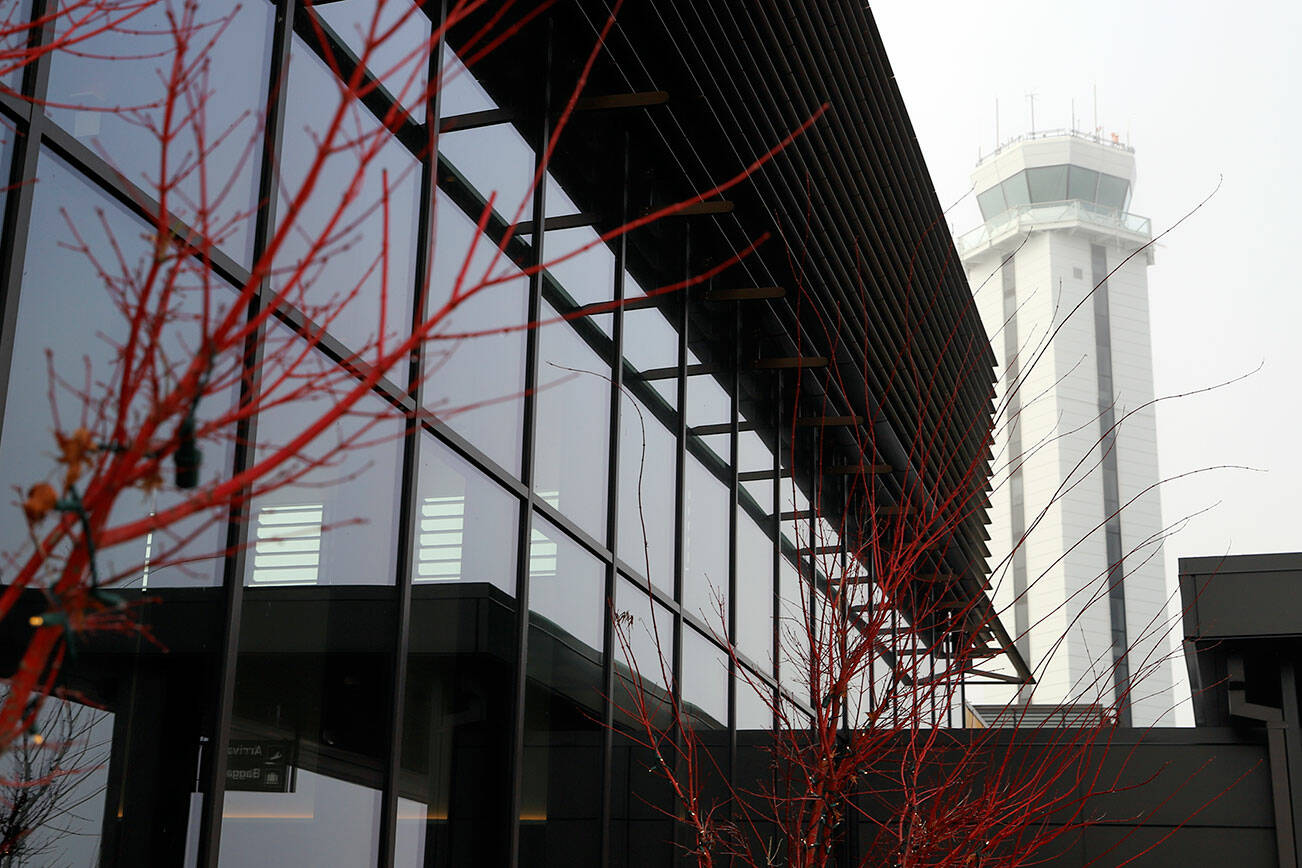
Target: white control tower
x=1064, y=297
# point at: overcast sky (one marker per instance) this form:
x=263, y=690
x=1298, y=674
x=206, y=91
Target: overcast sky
x=1202, y=94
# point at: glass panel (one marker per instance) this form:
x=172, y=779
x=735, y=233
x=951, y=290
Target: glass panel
x=475, y=384
x=466, y=522
x=495, y=160
x=307, y=746
x=573, y=429
x=57, y=280
x=793, y=499
x=708, y=403
x=1015, y=192
x=705, y=568
x=793, y=639
x=650, y=644
x=754, y=591
x=7, y=133
x=11, y=20
x=460, y=92
x=752, y=452
x=1112, y=191
x=647, y=484
x=558, y=201
x=650, y=342
x=566, y=586
x=640, y=797
x=1048, y=183
x=55, y=786
x=1081, y=183
x=563, y=734
x=705, y=681
x=454, y=775
x=754, y=702
x=991, y=203
x=334, y=522
x=400, y=62
x=111, y=85
x=344, y=284
x=587, y=277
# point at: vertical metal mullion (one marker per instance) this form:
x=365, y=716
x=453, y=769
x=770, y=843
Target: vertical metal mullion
x=515, y=762
x=775, y=578
x=733, y=485
x=680, y=515
x=246, y=432
x=409, y=512
x=612, y=526
x=18, y=204
x=210, y=830
x=843, y=629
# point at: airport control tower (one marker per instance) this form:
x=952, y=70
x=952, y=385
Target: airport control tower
x=1059, y=273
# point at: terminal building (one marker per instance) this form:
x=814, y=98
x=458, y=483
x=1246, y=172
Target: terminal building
x=433, y=685
x=1059, y=271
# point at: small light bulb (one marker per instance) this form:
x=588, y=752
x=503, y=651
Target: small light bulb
x=36, y=620
x=38, y=739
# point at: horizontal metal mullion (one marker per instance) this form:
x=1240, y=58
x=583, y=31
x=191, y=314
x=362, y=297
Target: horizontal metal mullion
x=135, y=199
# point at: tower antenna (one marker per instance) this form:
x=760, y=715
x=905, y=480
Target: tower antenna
x=1096, y=109
x=1030, y=95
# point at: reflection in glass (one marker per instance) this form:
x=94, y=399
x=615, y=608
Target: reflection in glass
x=6, y=150
x=475, y=384
x=647, y=474
x=561, y=798
x=344, y=284
x=705, y=568
x=335, y=523
x=305, y=758
x=466, y=522
x=453, y=778
x=566, y=584
x=650, y=643
x=56, y=281
x=705, y=681
x=640, y=797
x=55, y=785
x=754, y=702
x=112, y=83
x=573, y=432
x=401, y=61
x=17, y=12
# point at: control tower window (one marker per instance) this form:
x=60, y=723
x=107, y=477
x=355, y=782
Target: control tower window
x=991, y=203
x=1113, y=191
x=1048, y=183
x=1081, y=183
x=1015, y=192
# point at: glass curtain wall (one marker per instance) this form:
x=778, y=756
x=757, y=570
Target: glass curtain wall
x=359, y=658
